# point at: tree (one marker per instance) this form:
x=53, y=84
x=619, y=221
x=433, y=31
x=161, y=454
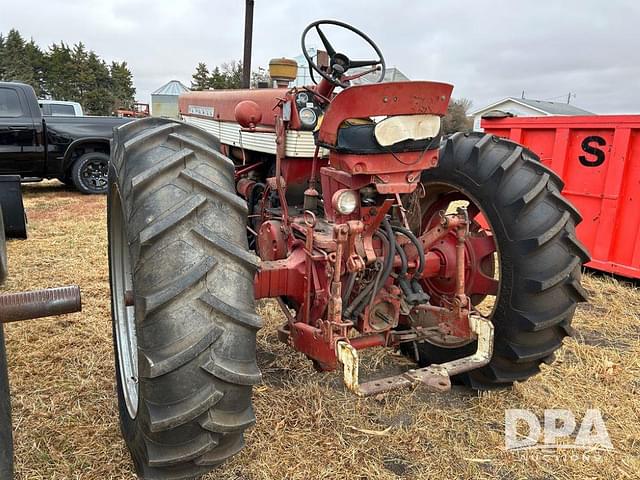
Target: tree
x=201, y=78
x=21, y=61
x=226, y=76
x=122, y=85
x=456, y=119
x=67, y=73
x=59, y=78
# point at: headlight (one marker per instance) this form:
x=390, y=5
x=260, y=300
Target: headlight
x=308, y=117
x=345, y=201
x=302, y=99
x=396, y=129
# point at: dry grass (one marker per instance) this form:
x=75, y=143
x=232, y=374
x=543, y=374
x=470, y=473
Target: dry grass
x=308, y=428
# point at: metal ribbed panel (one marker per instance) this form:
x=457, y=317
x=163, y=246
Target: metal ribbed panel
x=299, y=143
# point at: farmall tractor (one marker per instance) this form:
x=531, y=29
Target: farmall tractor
x=368, y=227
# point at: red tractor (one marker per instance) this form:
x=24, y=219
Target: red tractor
x=139, y=110
x=369, y=228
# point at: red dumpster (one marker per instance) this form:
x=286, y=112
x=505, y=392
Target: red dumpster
x=598, y=157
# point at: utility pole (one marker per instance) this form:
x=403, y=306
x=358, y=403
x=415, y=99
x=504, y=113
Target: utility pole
x=248, y=38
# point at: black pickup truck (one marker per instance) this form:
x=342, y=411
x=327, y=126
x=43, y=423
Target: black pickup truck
x=74, y=150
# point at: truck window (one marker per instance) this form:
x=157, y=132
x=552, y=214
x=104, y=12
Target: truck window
x=63, y=110
x=9, y=103
x=46, y=109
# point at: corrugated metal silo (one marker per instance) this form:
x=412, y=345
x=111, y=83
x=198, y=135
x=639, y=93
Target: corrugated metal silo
x=164, y=101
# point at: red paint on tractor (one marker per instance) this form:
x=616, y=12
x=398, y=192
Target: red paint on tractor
x=393, y=98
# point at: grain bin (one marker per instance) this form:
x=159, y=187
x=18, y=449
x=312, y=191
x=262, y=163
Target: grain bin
x=164, y=101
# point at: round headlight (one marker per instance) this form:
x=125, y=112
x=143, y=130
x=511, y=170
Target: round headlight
x=345, y=201
x=302, y=99
x=308, y=117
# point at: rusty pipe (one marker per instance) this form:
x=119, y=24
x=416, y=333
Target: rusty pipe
x=368, y=341
x=39, y=303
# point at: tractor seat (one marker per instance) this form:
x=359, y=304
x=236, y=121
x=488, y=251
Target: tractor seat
x=357, y=136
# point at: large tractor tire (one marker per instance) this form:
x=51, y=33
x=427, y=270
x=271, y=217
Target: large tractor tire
x=182, y=297
x=6, y=438
x=3, y=249
x=537, y=254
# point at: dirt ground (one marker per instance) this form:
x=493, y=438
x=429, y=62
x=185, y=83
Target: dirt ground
x=64, y=401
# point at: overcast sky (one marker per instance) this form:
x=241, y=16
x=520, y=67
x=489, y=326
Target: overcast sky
x=487, y=49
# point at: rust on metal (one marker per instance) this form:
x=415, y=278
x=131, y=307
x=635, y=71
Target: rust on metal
x=39, y=303
x=434, y=378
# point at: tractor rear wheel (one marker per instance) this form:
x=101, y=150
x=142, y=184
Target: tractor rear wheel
x=182, y=299
x=536, y=259
x=6, y=438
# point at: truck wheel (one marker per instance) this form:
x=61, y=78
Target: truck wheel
x=6, y=439
x=536, y=254
x=182, y=299
x=89, y=173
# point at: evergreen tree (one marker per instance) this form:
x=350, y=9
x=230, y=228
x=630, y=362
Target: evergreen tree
x=228, y=75
x=16, y=66
x=122, y=85
x=201, y=79
x=67, y=73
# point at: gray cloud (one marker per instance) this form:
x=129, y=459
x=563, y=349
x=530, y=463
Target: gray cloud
x=488, y=50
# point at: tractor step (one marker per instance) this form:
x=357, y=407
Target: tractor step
x=434, y=377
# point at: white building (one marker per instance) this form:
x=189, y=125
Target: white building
x=526, y=107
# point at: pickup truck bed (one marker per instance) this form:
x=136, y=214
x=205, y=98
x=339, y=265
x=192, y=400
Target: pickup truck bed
x=72, y=149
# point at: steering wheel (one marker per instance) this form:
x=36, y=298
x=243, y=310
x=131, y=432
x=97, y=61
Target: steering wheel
x=339, y=63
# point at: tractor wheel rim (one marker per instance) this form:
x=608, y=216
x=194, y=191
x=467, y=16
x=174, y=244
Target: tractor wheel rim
x=124, y=315
x=481, y=252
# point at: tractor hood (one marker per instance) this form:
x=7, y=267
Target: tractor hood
x=360, y=101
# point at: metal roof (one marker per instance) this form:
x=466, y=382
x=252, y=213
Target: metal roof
x=544, y=107
x=174, y=87
x=392, y=74
x=553, y=108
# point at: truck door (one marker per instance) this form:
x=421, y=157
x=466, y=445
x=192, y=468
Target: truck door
x=20, y=149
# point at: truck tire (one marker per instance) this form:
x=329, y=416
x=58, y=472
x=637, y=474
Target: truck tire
x=186, y=350
x=89, y=173
x=3, y=250
x=6, y=438
x=540, y=258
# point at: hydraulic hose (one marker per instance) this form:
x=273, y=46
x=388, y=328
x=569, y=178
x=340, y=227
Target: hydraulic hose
x=365, y=294
x=418, y=244
x=404, y=268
